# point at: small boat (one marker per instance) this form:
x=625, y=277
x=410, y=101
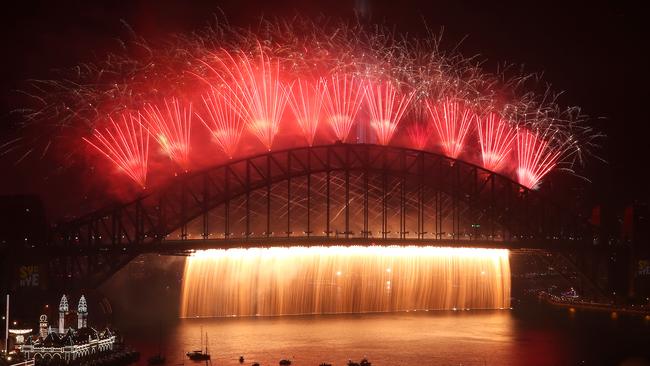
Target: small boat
x=199, y=355
x=285, y=362
x=156, y=359
x=363, y=362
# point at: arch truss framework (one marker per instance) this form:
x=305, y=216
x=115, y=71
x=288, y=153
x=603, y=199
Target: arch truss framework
x=337, y=194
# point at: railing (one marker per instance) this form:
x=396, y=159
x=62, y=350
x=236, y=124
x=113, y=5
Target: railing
x=31, y=362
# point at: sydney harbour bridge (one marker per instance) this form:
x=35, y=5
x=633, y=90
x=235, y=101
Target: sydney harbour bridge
x=338, y=194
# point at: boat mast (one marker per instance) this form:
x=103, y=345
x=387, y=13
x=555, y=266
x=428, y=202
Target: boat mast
x=160, y=338
x=7, y=328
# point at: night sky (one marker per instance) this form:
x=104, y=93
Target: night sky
x=595, y=53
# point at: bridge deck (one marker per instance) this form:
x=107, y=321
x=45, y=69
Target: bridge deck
x=184, y=247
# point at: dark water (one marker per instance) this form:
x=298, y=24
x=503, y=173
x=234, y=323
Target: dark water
x=528, y=335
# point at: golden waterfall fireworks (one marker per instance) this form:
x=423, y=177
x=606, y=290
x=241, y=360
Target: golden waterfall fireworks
x=320, y=280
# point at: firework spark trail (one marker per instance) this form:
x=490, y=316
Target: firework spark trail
x=259, y=94
x=343, y=98
x=306, y=101
x=452, y=121
x=419, y=128
x=419, y=134
x=126, y=145
x=171, y=128
x=496, y=138
x=387, y=106
x=536, y=157
x=223, y=122
x=251, y=64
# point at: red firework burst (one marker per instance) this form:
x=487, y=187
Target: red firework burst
x=258, y=94
x=343, y=98
x=223, y=122
x=125, y=144
x=496, y=138
x=452, y=121
x=170, y=127
x=419, y=129
x=419, y=133
x=247, y=88
x=535, y=158
x=306, y=101
x=387, y=106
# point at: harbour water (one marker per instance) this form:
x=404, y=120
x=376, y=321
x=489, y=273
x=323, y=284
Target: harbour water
x=532, y=334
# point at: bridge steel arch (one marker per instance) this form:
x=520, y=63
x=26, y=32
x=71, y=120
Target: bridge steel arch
x=420, y=198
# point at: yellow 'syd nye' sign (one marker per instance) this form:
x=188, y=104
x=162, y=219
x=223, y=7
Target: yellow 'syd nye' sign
x=29, y=276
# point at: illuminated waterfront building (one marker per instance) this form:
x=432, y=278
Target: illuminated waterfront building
x=71, y=344
x=63, y=309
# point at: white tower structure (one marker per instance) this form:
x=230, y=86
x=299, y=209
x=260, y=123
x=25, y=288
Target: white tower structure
x=63, y=309
x=42, y=328
x=82, y=313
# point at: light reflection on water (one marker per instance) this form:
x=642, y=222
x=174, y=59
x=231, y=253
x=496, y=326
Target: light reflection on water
x=478, y=337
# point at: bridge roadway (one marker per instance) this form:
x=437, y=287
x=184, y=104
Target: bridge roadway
x=188, y=246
